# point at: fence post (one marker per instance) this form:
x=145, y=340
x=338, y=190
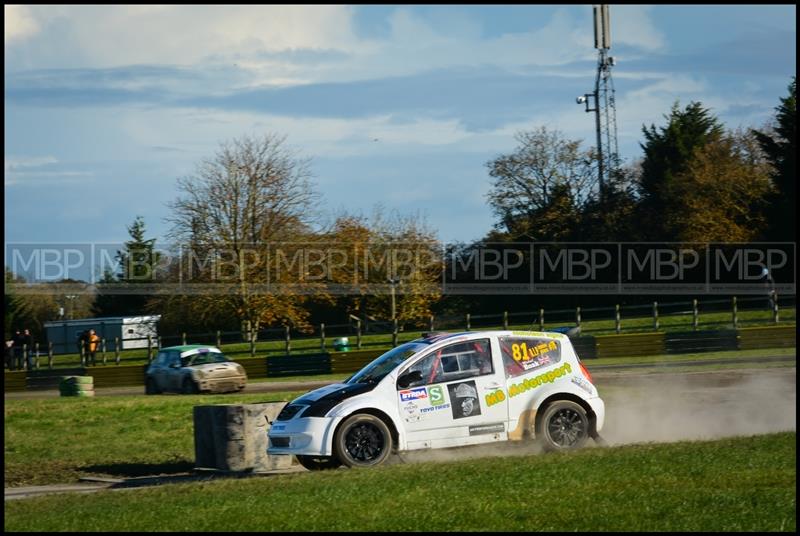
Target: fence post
x=394, y=332
x=695, y=315
x=467, y=321
x=219, y=339
x=616, y=319
x=183, y=338
x=50, y=355
x=252, y=343
x=358, y=334
x=158, y=342
x=103, y=349
x=322, y=337
x=541, y=319
x=578, y=316
x=149, y=348
x=431, y=325
x=116, y=350
x=82, y=353
x=733, y=310
x=288, y=339
x=505, y=319
x=655, y=316
x=775, y=314
x=24, y=357
x=36, y=362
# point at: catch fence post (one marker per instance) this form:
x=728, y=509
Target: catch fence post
x=616, y=319
x=431, y=323
x=322, y=337
x=541, y=319
x=36, y=361
x=467, y=321
x=219, y=339
x=50, y=355
x=103, y=349
x=655, y=316
x=505, y=320
x=288, y=340
x=734, y=311
x=394, y=332
x=149, y=348
x=183, y=338
x=252, y=342
x=695, y=314
x=116, y=350
x=358, y=334
x=775, y=314
x=578, y=316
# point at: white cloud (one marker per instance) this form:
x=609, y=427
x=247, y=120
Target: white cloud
x=19, y=23
x=632, y=25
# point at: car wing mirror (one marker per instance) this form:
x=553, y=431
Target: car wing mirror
x=408, y=378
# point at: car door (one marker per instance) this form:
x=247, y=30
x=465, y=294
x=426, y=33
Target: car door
x=157, y=370
x=460, y=399
x=173, y=371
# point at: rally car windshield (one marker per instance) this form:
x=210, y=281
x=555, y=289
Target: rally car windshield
x=376, y=370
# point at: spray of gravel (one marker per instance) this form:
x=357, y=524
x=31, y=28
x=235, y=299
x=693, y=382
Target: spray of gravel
x=666, y=407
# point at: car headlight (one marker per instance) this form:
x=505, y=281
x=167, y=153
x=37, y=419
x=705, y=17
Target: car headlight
x=240, y=369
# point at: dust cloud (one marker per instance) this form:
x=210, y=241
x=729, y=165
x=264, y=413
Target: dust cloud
x=694, y=406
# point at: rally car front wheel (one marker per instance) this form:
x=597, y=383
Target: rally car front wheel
x=362, y=440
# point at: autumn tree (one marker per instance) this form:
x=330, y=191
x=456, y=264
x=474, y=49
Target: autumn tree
x=722, y=191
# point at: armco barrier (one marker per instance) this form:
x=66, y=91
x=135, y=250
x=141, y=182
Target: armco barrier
x=342, y=362
x=117, y=376
x=298, y=365
x=14, y=381
x=687, y=342
x=767, y=337
x=630, y=345
x=585, y=347
x=254, y=367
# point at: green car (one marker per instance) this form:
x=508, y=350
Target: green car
x=193, y=368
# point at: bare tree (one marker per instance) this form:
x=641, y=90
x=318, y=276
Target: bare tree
x=545, y=170
x=253, y=193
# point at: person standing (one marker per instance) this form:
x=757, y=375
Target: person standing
x=93, y=342
x=27, y=341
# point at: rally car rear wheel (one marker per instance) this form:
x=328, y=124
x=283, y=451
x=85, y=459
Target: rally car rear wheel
x=362, y=440
x=318, y=463
x=564, y=425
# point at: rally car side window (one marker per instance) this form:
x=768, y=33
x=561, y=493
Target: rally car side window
x=524, y=354
x=455, y=362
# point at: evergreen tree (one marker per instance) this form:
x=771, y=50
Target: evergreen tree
x=780, y=146
x=667, y=153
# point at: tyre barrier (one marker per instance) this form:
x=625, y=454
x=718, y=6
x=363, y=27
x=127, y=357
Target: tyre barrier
x=76, y=386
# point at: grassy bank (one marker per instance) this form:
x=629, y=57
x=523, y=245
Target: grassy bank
x=738, y=484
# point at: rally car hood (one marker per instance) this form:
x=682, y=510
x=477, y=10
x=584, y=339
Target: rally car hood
x=338, y=391
x=219, y=370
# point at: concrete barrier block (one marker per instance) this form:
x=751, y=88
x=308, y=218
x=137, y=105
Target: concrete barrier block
x=233, y=437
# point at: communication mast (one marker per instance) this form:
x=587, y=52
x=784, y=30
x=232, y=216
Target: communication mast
x=605, y=107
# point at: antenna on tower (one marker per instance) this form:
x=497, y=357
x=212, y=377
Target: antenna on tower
x=605, y=107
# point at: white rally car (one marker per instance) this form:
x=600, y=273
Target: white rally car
x=446, y=390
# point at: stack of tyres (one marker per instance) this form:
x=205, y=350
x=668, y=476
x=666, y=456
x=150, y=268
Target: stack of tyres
x=76, y=386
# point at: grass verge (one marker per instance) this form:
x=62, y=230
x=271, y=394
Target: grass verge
x=735, y=484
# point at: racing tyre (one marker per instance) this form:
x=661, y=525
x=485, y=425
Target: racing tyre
x=362, y=441
x=318, y=463
x=189, y=387
x=564, y=426
x=150, y=387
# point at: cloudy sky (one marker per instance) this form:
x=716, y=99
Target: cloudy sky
x=402, y=106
